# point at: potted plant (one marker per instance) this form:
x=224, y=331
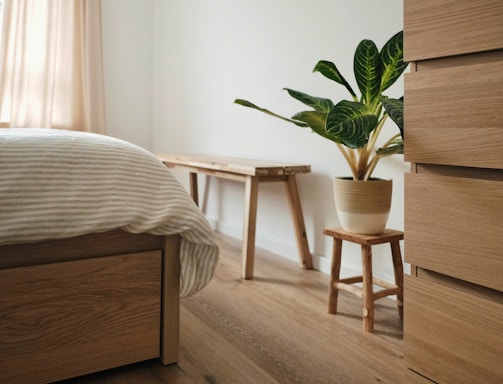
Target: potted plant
x=355, y=125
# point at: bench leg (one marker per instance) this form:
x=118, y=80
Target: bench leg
x=250, y=222
x=298, y=221
x=193, y=187
x=368, y=289
x=204, y=203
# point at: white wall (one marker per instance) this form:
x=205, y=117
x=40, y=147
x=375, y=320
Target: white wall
x=206, y=54
x=128, y=62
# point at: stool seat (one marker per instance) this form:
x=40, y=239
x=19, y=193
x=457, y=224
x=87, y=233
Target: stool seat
x=367, y=279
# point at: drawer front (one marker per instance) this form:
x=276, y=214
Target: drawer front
x=450, y=335
x=437, y=28
x=454, y=226
x=67, y=319
x=444, y=128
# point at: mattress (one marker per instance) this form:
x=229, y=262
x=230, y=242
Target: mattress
x=57, y=184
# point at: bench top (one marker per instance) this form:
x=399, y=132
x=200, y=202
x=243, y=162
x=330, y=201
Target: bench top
x=235, y=165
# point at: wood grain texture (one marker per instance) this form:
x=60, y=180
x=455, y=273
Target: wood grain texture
x=389, y=235
x=273, y=329
x=453, y=196
x=460, y=285
x=92, y=245
x=452, y=336
x=249, y=226
x=170, y=320
x=457, y=61
x=466, y=172
x=413, y=377
x=65, y=319
x=298, y=219
x=445, y=128
x=437, y=28
x=453, y=226
x=239, y=166
x=367, y=279
x=251, y=172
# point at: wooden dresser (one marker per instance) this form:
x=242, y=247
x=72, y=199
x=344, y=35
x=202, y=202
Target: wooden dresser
x=453, y=325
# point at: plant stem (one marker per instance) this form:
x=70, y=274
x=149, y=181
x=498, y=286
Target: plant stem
x=387, y=143
x=362, y=162
x=373, y=162
x=350, y=159
x=371, y=167
x=375, y=133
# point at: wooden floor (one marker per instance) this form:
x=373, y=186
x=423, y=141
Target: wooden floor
x=273, y=329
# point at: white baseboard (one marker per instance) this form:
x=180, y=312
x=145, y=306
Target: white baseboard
x=279, y=247
x=289, y=250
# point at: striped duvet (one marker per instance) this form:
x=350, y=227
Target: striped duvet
x=57, y=184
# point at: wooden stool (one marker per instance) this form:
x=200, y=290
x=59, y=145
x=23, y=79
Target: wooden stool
x=367, y=279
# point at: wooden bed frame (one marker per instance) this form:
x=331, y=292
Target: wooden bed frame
x=81, y=305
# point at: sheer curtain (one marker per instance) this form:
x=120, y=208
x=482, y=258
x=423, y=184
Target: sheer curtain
x=51, y=70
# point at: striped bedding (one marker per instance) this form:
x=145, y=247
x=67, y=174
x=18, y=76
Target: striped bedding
x=57, y=184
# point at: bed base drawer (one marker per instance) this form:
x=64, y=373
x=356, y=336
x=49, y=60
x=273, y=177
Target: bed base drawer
x=71, y=318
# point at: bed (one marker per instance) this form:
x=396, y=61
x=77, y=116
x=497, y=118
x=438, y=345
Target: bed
x=98, y=244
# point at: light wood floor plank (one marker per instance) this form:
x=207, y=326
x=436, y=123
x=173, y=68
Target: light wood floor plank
x=273, y=329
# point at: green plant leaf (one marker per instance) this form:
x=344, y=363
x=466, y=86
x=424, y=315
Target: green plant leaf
x=246, y=103
x=316, y=121
x=330, y=71
x=351, y=122
x=357, y=123
x=317, y=103
x=367, y=72
x=391, y=57
x=394, y=109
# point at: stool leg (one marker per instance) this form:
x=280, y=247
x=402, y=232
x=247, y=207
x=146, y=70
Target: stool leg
x=398, y=269
x=368, y=289
x=335, y=270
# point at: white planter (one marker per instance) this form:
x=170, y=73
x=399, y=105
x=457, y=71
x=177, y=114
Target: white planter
x=363, y=206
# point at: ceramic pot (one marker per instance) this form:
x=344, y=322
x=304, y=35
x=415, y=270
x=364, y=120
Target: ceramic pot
x=363, y=206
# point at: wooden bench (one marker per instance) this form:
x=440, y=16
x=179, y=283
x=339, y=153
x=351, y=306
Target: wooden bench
x=250, y=172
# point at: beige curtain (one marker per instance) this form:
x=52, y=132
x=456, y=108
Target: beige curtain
x=51, y=65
